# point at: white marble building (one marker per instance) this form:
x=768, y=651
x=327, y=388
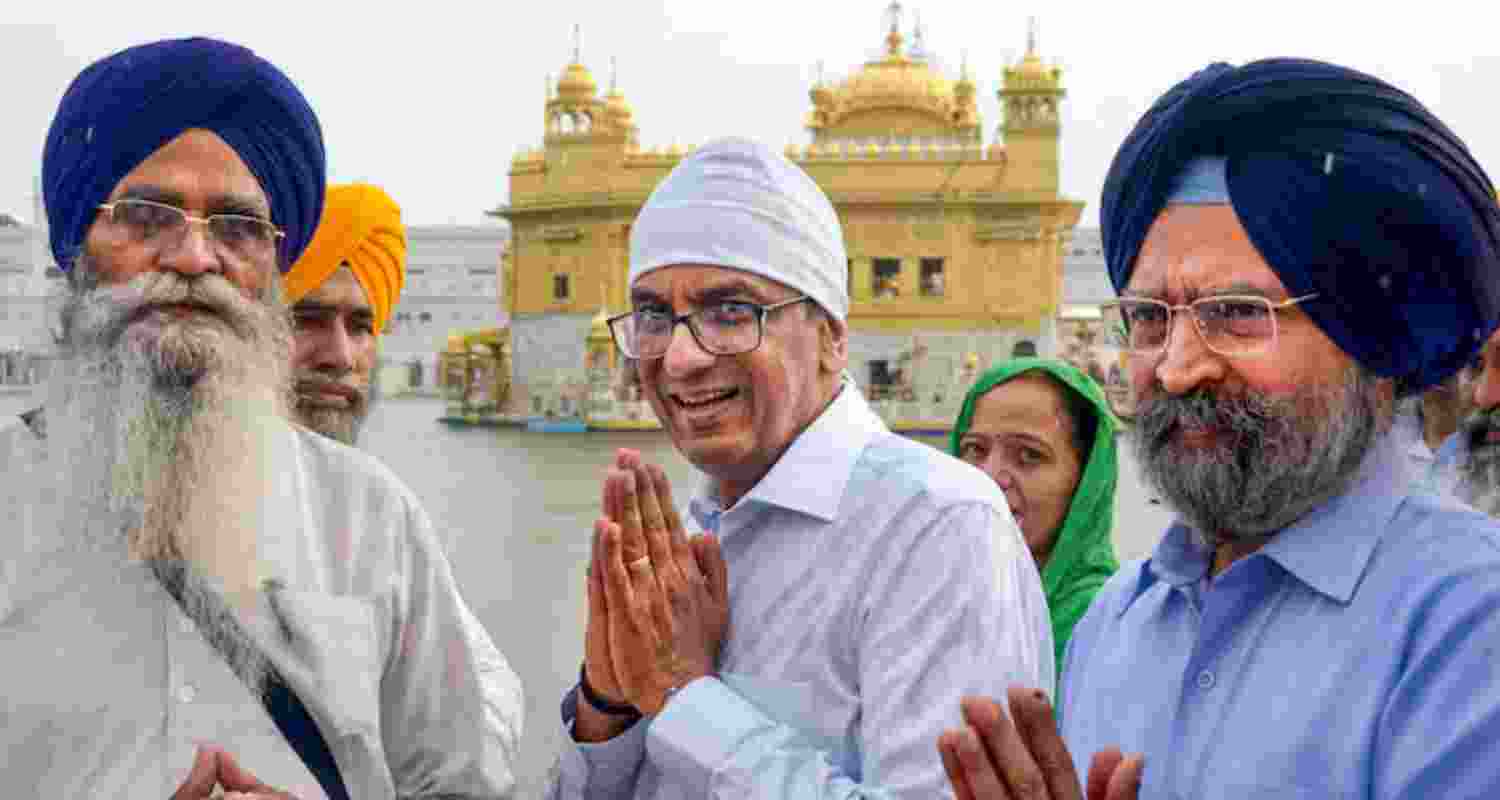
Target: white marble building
x=452, y=284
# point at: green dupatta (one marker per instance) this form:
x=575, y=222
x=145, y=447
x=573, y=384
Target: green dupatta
x=1083, y=557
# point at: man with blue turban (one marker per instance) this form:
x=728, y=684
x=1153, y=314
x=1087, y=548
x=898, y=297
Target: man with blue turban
x=1296, y=246
x=195, y=595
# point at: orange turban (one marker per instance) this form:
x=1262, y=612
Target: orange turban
x=361, y=226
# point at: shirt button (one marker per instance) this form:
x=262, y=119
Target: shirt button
x=187, y=693
x=1205, y=680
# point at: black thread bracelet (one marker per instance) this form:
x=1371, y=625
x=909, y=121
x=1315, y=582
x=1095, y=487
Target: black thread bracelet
x=599, y=703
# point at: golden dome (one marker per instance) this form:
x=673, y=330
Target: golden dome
x=1032, y=65
x=619, y=109
x=576, y=83
x=896, y=82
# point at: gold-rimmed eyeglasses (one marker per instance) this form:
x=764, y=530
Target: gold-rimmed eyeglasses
x=1231, y=325
x=241, y=235
x=726, y=328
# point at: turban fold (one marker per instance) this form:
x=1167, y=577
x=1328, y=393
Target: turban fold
x=123, y=108
x=1348, y=187
x=361, y=227
x=738, y=204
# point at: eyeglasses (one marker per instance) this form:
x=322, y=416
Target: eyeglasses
x=1231, y=325
x=723, y=329
x=240, y=235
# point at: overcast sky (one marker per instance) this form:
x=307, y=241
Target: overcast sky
x=433, y=101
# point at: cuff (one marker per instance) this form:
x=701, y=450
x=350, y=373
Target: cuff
x=607, y=767
x=699, y=731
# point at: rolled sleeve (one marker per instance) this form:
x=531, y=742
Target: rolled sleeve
x=715, y=743
x=588, y=770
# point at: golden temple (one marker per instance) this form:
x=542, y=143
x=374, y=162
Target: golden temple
x=954, y=243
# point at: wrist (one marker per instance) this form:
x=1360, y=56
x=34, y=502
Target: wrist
x=602, y=704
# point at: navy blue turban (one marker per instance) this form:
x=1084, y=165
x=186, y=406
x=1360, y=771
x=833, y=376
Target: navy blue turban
x=1348, y=187
x=125, y=107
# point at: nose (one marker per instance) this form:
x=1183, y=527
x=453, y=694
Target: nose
x=1187, y=362
x=684, y=355
x=193, y=253
x=335, y=352
x=994, y=466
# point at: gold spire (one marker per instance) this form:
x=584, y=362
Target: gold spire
x=893, y=38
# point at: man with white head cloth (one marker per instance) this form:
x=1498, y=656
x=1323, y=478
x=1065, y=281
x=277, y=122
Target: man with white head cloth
x=849, y=585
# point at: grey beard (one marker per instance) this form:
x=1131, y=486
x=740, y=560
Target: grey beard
x=1277, y=458
x=216, y=620
x=163, y=429
x=339, y=424
x=1479, y=475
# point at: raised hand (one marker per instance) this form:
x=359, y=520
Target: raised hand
x=1022, y=756
x=668, y=608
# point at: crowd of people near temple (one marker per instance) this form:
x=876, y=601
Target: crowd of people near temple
x=208, y=590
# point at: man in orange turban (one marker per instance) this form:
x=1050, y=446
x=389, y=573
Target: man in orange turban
x=341, y=292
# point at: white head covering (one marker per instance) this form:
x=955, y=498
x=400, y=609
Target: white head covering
x=738, y=204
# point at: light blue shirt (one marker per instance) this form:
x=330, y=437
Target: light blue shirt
x=1356, y=655
x=873, y=582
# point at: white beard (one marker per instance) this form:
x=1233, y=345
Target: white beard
x=169, y=432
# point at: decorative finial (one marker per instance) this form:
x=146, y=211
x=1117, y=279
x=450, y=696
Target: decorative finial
x=917, y=50
x=1031, y=36
x=893, y=20
x=547, y=87
x=577, y=43
x=614, y=70
x=963, y=69
x=820, y=72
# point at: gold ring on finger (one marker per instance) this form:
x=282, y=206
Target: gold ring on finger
x=642, y=563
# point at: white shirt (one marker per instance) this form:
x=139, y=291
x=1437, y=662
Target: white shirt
x=873, y=582
x=109, y=688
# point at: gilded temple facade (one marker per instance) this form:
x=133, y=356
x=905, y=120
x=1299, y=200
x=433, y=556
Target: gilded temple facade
x=955, y=244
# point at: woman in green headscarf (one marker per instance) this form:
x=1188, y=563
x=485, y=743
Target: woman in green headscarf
x=1044, y=431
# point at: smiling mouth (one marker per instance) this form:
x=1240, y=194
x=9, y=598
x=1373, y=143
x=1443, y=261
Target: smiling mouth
x=699, y=401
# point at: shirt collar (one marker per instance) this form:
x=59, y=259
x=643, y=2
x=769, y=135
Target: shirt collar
x=1328, y=549
x=810, y=477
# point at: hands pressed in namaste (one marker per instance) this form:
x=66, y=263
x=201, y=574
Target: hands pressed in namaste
x=658, y=601
x=1022, y=756
x=216, y=774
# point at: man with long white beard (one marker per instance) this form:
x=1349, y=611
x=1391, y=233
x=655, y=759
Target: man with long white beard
x=1296, y=245
x=196, y=596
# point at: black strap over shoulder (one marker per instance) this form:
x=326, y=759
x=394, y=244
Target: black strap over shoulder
x=301, y=732
x=286, y=709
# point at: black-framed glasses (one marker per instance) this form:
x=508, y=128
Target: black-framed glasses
x=725, y=328
x=1231, y=325
x=241, y=235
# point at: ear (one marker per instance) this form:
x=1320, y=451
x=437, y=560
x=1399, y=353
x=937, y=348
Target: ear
x=833, y=344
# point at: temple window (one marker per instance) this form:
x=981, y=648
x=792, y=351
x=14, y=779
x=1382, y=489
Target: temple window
x=560, y=286
x=932, y=277
x=886, y=273
x=882, y=379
